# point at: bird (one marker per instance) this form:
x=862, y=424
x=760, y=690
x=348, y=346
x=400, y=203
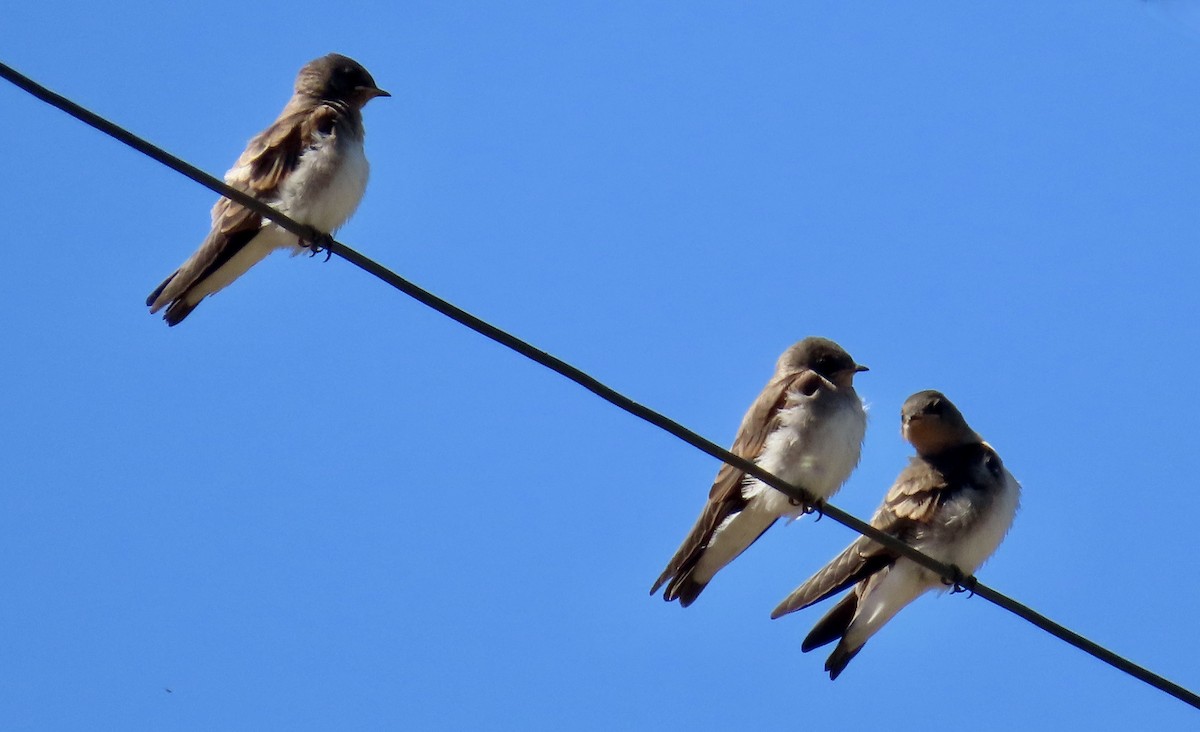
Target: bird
x=308, y=164
x=955, y=501
x=806, y=427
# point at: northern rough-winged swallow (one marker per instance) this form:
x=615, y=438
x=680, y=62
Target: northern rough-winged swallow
x=806, y=427
x=309, y=164
x=955, y=502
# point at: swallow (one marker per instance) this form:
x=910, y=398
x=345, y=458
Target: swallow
x=955, y=501
x=806, y=427
x=308, y=164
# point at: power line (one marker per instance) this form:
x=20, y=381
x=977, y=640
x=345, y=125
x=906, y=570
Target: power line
x=950, y=574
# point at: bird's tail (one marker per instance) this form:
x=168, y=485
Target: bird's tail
x=834, y=625
x=738, y=532
x=152, y=301
x=177, y=309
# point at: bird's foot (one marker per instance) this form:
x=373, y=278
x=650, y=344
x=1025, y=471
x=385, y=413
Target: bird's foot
x=815, y=508
x=960, y=583
x=318, y=242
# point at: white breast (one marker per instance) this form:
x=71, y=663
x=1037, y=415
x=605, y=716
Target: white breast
x=817, y=454
x=971, y=549
x=327, y=185
x=983, y=541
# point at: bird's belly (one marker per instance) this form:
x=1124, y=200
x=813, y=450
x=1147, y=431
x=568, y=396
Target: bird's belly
x=328, y=186
x=992, y=529
x=817, y=454
x=969, y=551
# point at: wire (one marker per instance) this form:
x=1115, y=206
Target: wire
x=950, y=574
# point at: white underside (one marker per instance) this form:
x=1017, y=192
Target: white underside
x=816, y=454
x=887, y=593
x=323, y=192
x=269, y=239
x=896, y=587
x=327, y=185
x=731, y=539
x=970, y=549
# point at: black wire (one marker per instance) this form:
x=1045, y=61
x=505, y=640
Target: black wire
x=950, y=574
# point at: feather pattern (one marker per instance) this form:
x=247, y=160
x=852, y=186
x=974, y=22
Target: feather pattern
x=954, y=504
x=308, y=164
x=803, y=427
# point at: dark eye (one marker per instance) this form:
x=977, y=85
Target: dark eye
x=826, y=366
x=344, y=77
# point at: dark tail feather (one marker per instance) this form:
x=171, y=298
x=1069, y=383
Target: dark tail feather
x=839, y=659
x=661, y=579
x=682, y=587
x=158, y=290
x=834, y=625
x=679, y=569
x=685, y=589
x=177, y=311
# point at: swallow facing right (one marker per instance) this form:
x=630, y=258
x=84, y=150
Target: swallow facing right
x=806, y=427
x=955, y=502
x=309, y=164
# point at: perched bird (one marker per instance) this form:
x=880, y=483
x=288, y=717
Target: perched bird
x=806, y=427
x=309, y=164
x=955, y=502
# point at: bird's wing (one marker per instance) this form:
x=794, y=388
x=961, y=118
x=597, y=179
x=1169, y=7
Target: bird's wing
x=725, y=498
x=260, y=170
x=910, y=504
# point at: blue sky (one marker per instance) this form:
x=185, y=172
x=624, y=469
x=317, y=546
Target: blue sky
x=318, y=505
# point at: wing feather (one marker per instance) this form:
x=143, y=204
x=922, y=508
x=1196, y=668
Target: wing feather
x=910, y=503
x=725, y=497
x=260, y=171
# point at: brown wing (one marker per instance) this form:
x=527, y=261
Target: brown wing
x=725, y=497
x=761, y=420
x=259, y=171
x=858, y=561
x=913, y=497
x=910, y=503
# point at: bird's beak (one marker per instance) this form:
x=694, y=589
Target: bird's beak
x=373, y=92
x=859, y=368
x=845, y=377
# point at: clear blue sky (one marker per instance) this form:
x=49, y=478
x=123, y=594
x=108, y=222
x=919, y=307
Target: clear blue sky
x=318, y=505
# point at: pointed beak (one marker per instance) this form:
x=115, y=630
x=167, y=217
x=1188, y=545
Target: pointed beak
x=859, y=368
x=845, y=377
x=373, y=92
